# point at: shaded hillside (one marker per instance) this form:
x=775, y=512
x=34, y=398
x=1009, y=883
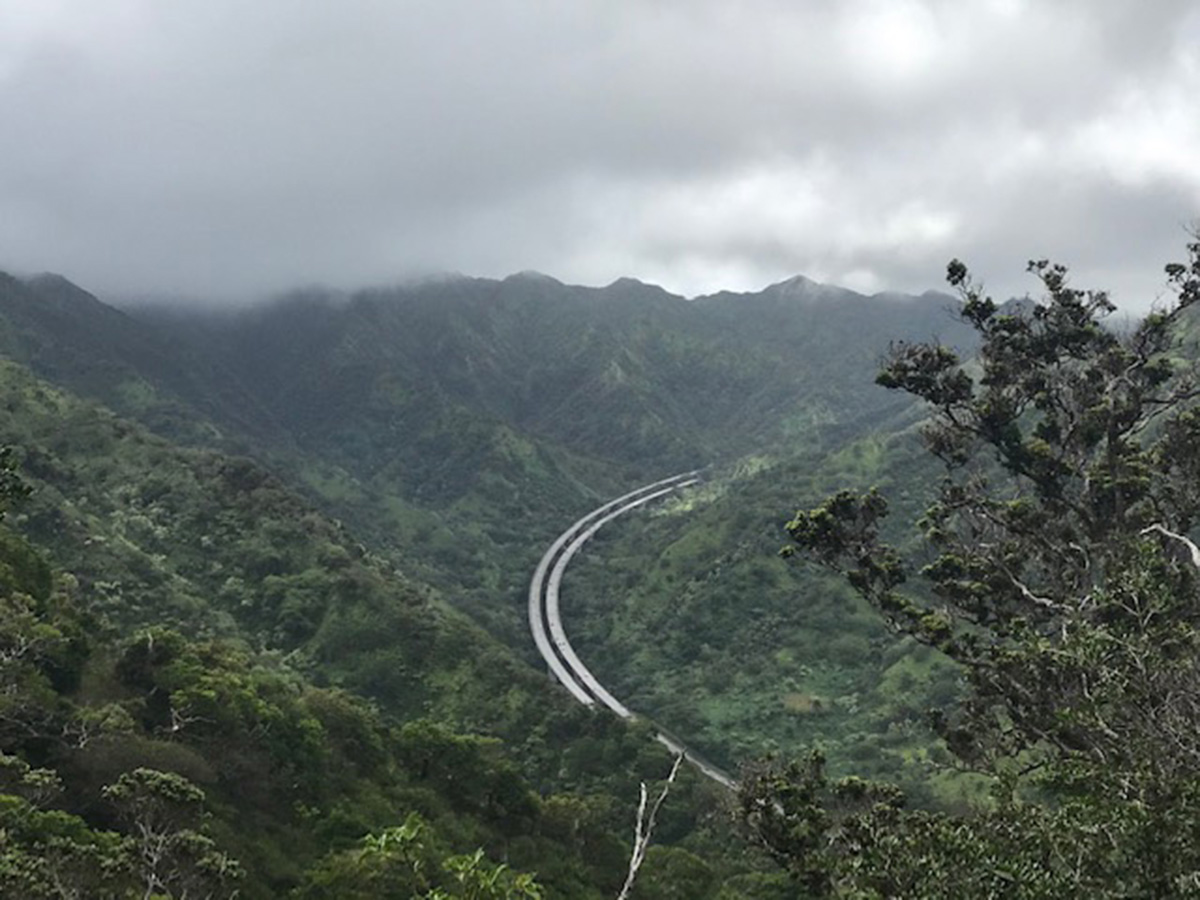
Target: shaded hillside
x=215, y=546
x=628, y=374
x=72, y=339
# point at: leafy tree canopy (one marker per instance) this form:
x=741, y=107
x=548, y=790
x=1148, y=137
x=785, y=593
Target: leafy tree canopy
x=1060, y=574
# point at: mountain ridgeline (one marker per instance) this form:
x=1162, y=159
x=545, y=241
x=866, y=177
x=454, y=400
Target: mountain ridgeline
x=334, y=502
x=456, y=423
x=628, y=375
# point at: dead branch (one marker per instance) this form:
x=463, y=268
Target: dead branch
x=643, y=828
x=1195, y=551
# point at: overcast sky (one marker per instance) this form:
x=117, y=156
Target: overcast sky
x=231, y=148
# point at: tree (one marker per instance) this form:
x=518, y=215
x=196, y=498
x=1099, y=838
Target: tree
x=1064, y=582
x=52, y=854
x=410, y=860
x=164, y=812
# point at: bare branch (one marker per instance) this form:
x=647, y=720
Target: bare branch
x=643, y=828
x=1195, y=551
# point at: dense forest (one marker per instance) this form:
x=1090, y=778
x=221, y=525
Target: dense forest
x=264, y=576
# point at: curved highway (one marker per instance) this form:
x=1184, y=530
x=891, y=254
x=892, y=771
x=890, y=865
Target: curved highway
x=545, y=620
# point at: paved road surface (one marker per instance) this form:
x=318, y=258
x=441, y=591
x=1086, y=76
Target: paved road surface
x=545, y=620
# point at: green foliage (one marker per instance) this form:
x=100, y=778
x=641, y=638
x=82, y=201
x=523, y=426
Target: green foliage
x=453, y=425
x=672, y=873
x=847, y=838
x=12, y=487
x=468, y=771
x=410, y=860
x=52, y=854
x=455, y=428
x=1064, y=583
x=686, y=615
x=291, y=771
x=163, y=811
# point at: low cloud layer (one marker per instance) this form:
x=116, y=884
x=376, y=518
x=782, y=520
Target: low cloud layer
x=223, y=150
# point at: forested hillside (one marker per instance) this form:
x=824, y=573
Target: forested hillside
x=189, y=616
x=454, y=428
x=456, y=424
x=728, y=644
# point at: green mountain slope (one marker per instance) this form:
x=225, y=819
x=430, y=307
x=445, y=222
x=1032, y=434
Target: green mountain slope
x=457, y=424
x=277, y=610
x=690, y=616
x=456, y=427
x=72, y=339
x=627, y=373
x=214, y=546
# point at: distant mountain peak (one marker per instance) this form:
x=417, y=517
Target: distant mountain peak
x=801, y=287
x=60, y=292
x=52, y=280
x=533, y=275
x=796, y=281
x=627, y=283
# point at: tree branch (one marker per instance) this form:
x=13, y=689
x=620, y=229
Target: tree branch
x=643, y=828
x=1195, y=551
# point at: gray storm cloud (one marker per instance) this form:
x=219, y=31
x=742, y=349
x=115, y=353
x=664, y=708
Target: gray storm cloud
x=224, y=149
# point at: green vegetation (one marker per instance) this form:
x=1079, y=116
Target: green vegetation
x=346, y=706
x=1064, y=584
x=160, y=759
x=722, y=642
x=454, y=428
x=202, y=632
